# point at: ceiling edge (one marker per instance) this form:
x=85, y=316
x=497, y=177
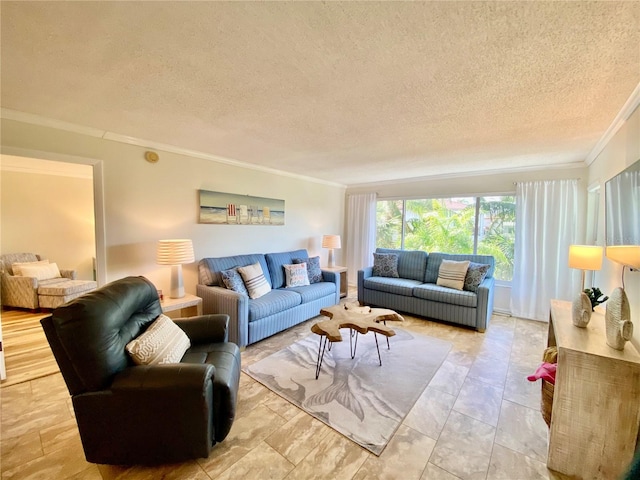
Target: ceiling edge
x=623, y=115
x=116, y=137
x=470, y=173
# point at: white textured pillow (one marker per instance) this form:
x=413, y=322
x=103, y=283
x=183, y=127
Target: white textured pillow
x=451, y=274
x=41, y=272
x=296, y=274
x=17, y=267
x=163, y=342
x=254, y=280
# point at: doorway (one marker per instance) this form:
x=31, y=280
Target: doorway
x=73, y=233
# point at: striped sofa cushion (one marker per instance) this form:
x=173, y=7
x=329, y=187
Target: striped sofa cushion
x=435, y=293
x=398, y=286
x=276, y=262
x=314, y=291
x=273, y=302
x=411, y=263
x=435, y=259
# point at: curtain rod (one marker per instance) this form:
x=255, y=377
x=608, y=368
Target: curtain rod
x=576, y=179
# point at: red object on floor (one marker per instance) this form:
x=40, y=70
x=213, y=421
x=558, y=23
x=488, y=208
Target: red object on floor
x=546, y=371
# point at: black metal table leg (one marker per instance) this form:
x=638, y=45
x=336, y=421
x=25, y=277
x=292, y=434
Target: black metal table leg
x=321, y=346
x=378, y=348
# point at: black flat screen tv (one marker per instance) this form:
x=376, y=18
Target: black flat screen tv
x=622, y=208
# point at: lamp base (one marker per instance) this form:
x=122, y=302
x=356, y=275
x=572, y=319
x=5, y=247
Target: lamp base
x=331, y=263
x=177, y=287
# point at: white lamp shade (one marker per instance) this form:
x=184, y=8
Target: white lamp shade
x=585, y=257
x=331, y=241
x=175, y=252
x=625, y=254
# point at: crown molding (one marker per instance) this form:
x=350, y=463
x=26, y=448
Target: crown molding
x=470, y=173
x=116, y=137
x=623, y=115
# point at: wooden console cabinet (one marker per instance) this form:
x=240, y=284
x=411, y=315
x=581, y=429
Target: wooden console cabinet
x=596, y=401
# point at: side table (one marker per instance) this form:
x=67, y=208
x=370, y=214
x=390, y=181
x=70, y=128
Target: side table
x=344, y=286
x=187, y=306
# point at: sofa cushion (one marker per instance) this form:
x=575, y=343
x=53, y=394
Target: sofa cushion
x=276, y=262
x=233, y=280
x=296, y=275
x=254, y=280
x=40, y=271
x=398, y=286
x=313, y=268
x=385, y=265
x=475, y=275
x=315, y=291
x=411, y=263
x=452, y=274
x=63, y=286
x=435, y=293
x=209, y=268
x=17, y=266
x=435, y=259
x=273, y=302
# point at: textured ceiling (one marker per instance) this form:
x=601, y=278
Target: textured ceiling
x=349, y=92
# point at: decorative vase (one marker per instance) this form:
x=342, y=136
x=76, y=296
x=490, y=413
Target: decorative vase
x=618, y=320
x=581, y=310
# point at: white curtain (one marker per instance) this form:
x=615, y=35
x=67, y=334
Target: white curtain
x=361, y=232
x=547, y=216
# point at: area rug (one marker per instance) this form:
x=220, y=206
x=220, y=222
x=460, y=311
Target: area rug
x=359, y=398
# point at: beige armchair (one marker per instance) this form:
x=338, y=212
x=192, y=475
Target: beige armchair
x=29, y=292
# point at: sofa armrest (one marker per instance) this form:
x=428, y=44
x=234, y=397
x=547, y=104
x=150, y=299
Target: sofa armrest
x=363, y=274
x=205, y=328
x=332, y=277
x=70, y=274
x=485, y=303
x=236, y=305
x=19, y=291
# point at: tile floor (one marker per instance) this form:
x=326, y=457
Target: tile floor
x=479, y=418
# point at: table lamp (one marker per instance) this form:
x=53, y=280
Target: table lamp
x=175, y=252
x=584, y=257
x=619, y=328
x=331, y=242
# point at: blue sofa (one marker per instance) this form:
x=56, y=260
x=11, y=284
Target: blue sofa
x=416, y=291
x=251, y=320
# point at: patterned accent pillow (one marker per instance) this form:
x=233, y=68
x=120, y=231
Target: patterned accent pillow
x=475, y=276
x=296, y=275
x=385, y=265
x=313, y=268
x=233, y=281
x=452, y=274
x=163, y=342
x=254, y=280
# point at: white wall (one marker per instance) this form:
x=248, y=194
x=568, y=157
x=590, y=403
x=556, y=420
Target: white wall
x=146, y=202
x=476, y=185
x=620, y=152
x=49, y=215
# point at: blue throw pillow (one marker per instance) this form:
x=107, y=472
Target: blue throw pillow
x=313, y=268
x=475, y=275
x=385, y=265
x=233, y=281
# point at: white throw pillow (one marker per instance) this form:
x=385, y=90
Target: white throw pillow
x=17, y=267
x=163, y=342
x=41, y=272
x=254, y=280
x=297, y=275
x=451, y=274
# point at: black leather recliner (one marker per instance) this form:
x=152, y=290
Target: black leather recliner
x=129, y=414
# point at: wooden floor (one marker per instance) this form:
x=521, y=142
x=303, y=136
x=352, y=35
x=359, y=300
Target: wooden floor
x=26, y=351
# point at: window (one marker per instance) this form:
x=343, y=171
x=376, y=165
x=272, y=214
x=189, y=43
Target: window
x=482, y=225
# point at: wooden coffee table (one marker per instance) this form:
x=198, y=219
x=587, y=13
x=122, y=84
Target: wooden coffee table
x=358, y=320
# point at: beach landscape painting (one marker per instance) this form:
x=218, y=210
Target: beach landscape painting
x=231, y=209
